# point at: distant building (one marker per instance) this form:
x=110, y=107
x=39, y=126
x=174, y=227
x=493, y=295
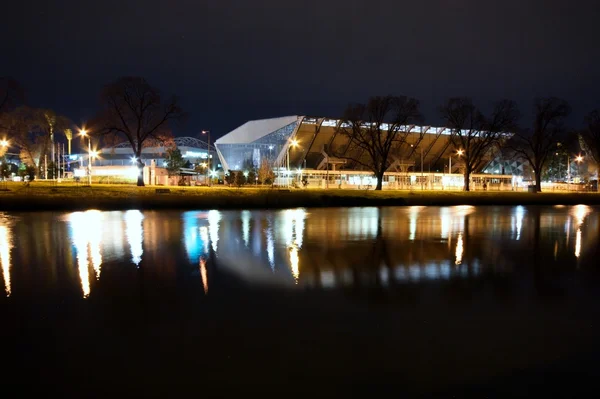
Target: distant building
x=427, y=152
x=192, y=149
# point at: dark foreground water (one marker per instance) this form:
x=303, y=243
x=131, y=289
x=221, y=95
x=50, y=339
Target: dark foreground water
x=491, y=301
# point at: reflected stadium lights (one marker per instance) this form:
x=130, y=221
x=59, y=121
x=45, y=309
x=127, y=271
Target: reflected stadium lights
x=459, y=250
x=86, y=236
x=5, y=247
x=135, y=234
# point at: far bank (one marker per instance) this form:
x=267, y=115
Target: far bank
x=41, y=196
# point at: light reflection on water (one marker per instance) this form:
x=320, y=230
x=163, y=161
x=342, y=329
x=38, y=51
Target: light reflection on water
x=6, y=243
x=318, y=247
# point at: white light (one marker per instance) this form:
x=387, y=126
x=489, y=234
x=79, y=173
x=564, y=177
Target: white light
x=133, y=159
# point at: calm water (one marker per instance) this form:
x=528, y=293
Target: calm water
x=429, y=297
x=75, y=254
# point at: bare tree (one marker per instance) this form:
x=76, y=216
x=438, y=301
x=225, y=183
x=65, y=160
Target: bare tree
x=265, y=172
x=376, y=131
x=134, y=110
x=31, y=130
x=591, y=135
x=536, y=144
x=474, y=134
x=591, y=138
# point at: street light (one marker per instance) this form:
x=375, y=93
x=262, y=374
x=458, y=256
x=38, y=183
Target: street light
x=83, y=133
x=293, y=143
x=459, y=153
x=4, y=143
x=207, y=132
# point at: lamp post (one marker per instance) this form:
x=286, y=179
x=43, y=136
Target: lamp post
x=83, y=133
x=293, y=143
x=578, y=159
x=207, y=132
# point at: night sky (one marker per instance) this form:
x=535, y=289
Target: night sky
x=231, y=61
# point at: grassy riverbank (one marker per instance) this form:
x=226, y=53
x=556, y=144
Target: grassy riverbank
x=67, y=196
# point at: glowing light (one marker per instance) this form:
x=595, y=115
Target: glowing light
x=413, y=214
x=82, y=132
x=579, y=158
x=460, y=152
x=203, y=274
x=213, y=173
x=204, y=237
x=271, y=147
x=214, y=217
x=519, y=212
x=86, y=236
x=580, y=212
x=295, y=262
x=135, y=234
x=133, y=159
x=246, y=226
x=3, y=143
x=270, y=245
x=578, y=243
x=459, y=249
x=5, y=247
x=294, y=143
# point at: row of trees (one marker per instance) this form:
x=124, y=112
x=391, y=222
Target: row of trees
x=377, y=132
x=130, y=110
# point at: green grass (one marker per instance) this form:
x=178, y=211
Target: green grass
x=71, y=196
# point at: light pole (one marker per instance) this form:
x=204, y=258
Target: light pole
x=83, y=133
x=578, y=159
x=293, y=143
x=207, y=132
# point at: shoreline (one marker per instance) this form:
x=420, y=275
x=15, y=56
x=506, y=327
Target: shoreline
x=76, y=198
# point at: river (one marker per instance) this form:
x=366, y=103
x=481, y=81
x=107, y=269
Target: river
x=341, y=295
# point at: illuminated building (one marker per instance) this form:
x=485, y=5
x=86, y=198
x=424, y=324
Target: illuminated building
x=301, y=147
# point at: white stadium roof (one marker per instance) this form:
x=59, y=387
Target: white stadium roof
x=254, y=130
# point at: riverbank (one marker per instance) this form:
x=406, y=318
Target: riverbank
x=41, y=196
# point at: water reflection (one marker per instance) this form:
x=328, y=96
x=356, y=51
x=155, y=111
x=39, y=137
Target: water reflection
x=6, y=243
x=323, y=248
x=459, y=249
x=86, y=235
x=135, y=234
x=204, y=274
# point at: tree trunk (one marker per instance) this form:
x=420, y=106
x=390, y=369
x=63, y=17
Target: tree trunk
x=140, y=166
x=467, y=177
x=379, y=181
x=538, y=181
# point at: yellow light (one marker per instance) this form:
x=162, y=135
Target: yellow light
x=5, y=247
x=579, y=158
x=94, y=153
x=203, y=274
x=459, y=250
x=295, y=262
x=4, y=143
x=294, y=143
x=83, y=132
x=460, y=152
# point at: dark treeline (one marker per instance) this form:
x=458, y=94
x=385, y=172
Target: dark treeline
x=132, y=110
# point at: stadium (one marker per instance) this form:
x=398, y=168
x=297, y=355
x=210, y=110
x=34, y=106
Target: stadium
x=299, y=148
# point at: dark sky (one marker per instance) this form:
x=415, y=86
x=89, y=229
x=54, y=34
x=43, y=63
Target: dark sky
x=231, y=61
